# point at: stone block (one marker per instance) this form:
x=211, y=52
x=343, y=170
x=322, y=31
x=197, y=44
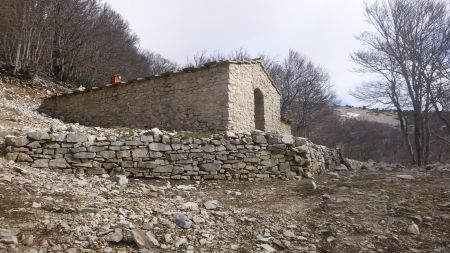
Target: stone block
x=159, y=147
x=139, y=153
x=123, y=154
x=12, y=156
x=208, y=148
x=59, y=163
x=34, y=145
x=210, y=167
x=84, y=155
x=96, y=148
x=58, y=137
x=163, y=169
x=107, y=154
x=38, y=136
x=22, y=157
x=16, y=141
x=76, y=138
x=40, y=163
x=287, y=139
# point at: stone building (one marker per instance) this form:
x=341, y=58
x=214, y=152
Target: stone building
x=219, y=96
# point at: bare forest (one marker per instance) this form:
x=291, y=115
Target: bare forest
x=85, y=42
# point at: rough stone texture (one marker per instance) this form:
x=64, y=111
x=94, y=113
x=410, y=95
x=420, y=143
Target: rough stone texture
x=248, y=156
x=213, y=98
x=245, y=79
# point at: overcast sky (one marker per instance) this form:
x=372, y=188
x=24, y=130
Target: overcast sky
x=322, y=30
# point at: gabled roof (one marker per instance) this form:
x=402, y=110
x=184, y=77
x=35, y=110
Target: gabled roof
x=172, y=73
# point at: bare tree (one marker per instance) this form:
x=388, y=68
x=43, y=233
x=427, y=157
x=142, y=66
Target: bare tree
x=305, y=91
x=158, y=64
x=82, y=41
x=408, y=51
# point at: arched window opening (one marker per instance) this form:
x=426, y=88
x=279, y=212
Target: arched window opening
x=259, y=109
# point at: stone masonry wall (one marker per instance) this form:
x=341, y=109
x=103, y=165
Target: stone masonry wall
x=195, y=101
x=213, y=98
x=244, y=80
x=247, y=156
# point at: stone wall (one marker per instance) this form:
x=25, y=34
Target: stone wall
x=195, y=101
x=213, y=98
x=245, y=79
x=247, y=156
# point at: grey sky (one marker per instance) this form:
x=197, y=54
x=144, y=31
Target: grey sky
x=323, y=30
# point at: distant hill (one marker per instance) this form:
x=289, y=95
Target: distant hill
x=384, y=117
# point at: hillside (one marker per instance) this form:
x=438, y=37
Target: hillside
x=368, y=209
x=383, y=117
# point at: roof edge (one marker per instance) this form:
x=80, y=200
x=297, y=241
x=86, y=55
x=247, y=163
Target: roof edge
x=207, y=65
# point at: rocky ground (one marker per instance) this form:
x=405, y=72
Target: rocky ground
x=379, y=208
x=348, y=211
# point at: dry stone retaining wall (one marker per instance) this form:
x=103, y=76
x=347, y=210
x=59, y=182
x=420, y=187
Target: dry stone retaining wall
x=249, y=156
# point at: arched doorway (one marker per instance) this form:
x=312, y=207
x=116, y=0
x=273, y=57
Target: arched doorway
x=259, y=109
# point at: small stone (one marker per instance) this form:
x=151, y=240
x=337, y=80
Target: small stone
x=144, y=240
x=36, y=205
x=413, y=229
x=120, y=179
x=288, y=234
x=22, y=157
x=189, y=206
x=167, y=238
x=115, y=236
x=211, y=204
x=27, y=240
x=405, y=177
x=416, y=218
x=182, y=221
x=180, y=241
x=331, y=239
x=268, y=248
x=71, y=250
x=308, y=175
x=11, y=239
x=198, y=219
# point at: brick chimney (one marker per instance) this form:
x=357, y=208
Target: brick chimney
x=116, y=79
